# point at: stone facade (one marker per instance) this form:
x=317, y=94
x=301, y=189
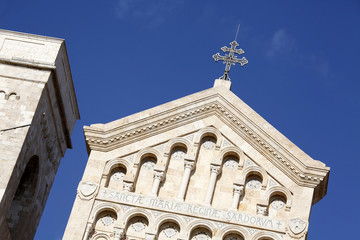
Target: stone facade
x=202, y=167
x=38, y=110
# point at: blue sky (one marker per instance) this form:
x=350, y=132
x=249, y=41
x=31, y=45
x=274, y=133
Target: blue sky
x=303, y=77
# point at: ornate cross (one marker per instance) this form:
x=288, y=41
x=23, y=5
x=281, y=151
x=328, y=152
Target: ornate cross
x=230, y=59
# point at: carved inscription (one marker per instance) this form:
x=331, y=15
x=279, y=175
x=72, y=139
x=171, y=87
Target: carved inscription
x=191, y=209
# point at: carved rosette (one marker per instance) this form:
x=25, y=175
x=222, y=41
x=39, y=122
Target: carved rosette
x=87, y=190
x=297, y=228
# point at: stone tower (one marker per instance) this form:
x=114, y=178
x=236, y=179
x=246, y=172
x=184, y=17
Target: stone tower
x=38, y=111
x=202, y=167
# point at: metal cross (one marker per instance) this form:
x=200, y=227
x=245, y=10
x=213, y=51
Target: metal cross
x=230, y=59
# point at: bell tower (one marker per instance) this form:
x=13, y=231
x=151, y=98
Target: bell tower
x=38, y=111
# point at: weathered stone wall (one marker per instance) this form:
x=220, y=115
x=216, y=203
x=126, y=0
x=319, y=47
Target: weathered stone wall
x=38, y=111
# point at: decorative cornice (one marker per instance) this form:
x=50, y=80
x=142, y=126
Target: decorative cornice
x=300, y=173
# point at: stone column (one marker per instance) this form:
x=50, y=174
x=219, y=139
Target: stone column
x=215, y=170
x=238, y=191
x=87, y=231
x=158, y=177
x=185, y=180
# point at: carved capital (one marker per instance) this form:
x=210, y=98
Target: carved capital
x=128, y=186
x=261, y=210
x=238, y=189
x=189, y=164
x=159, y=175
x=215, y=169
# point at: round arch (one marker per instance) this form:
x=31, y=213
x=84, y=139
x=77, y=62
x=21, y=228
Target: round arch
x=282, y=191
x=99, y=236
x=177, y=141
x=198, y=224
x=233, y=229
x=208, y=131
x=134, y=213
x=104, y=207
x=169, y=218
x=255, y=170
x=265, y=235
x=145, y=153
x=110, y=165
x=229, y=151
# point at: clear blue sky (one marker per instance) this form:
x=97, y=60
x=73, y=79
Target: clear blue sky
x=130, y=55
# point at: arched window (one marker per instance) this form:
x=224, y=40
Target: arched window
x=116, y=177
x=201, y=174
x=146, y=175
x=168, y=230
x=174, y=173
x=224, y=185
x=233, y=236
x=105, y=222
x=254, y=182
x=23, y=200
x=137, y=227
x=201, y=233
x=277, y=203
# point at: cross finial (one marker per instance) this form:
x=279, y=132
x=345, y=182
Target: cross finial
x=231, y=58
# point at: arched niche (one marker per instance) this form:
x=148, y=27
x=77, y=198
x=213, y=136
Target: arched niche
x=231, y=151
x=177, y=142
x=146, y=152
x=193, y=225
x=223, y=192
x=174, y=168
x=255, y=171
x=13, y=96
x=201, y=233
x=110, y=165
x=233, y=236
x=114, y=173
x=265, y=236
x=136, y=212
x=233, y=233
x=208, y=131
x=145, y=173
x=168, y=217
x=168, y=230
x=100, y=236
x=101, y=208
x=105, y=221
x=137, y=226
x=23, y=201
x=278, y=192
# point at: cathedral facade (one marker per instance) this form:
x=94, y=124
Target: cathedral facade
x=202, y=167
x=38, y=110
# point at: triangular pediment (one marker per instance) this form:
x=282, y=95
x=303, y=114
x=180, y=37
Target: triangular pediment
x=240, y=125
